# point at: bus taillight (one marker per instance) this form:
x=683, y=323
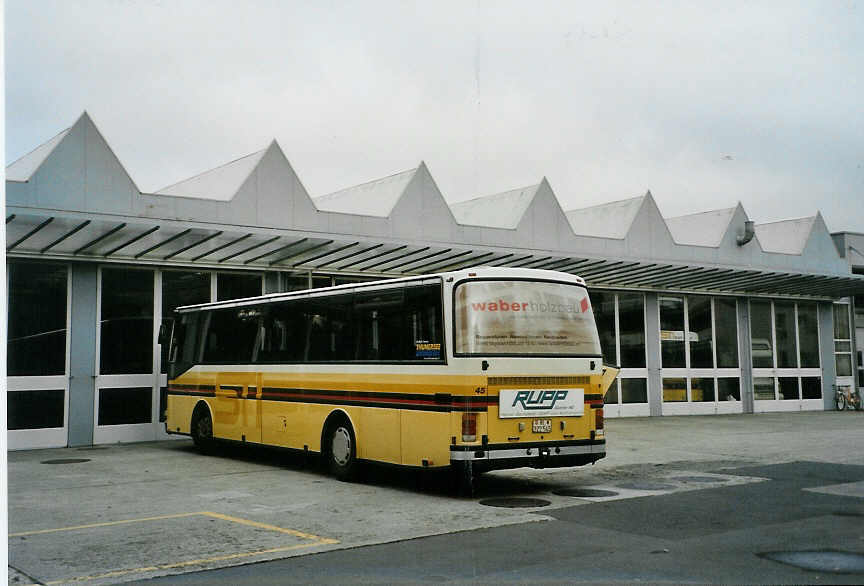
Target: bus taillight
x=598, y=419
x=469, y=427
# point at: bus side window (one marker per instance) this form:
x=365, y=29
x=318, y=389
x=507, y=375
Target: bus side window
x=317, y=333
x=284, y=333
x=341, y=328
x=232, y=335
x=191, y=328
x=182, y=353
x=378, y=322
x=424, y=328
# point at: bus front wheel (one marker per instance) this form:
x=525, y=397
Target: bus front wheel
x=202, y=429
x=342, y=450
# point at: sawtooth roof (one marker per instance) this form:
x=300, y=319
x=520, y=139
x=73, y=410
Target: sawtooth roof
x=785, y=236
x=72, y=196
x=23, y=168
x=701, y=229
x=374, y=198
x=220, y=184
x=608, y=220
x=499, y=210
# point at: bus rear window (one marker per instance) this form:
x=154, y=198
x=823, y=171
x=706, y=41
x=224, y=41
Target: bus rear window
x=524, y=318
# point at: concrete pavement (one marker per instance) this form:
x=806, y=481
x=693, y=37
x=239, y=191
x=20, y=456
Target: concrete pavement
x=141, y=510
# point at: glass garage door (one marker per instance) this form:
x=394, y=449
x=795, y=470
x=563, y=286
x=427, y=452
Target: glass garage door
x=699, y=353
x=131, y=379
x=37, y=401
x=785, y=351
x=125, y=406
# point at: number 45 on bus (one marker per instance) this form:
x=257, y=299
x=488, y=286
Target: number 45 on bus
x=475, y=370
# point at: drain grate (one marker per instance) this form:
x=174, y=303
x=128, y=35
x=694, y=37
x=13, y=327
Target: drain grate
x=645, y=486
x=584, y=492
x=700, y=479
x=834, y=562
x=66, y=461
x=515, y=502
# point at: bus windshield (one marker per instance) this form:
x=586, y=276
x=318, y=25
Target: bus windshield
x=523, y=318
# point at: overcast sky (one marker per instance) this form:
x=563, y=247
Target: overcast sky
x=703, y=103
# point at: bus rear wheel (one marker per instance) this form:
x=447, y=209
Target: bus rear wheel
x=202, y=429
x=342, y=450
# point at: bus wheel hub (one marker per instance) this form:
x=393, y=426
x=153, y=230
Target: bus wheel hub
x=341, y=447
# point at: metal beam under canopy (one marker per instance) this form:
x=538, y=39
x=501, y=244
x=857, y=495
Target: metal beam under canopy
x=62, y=236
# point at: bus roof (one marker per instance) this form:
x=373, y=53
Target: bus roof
x=469, y=273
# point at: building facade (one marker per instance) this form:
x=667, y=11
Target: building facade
x=706, y=313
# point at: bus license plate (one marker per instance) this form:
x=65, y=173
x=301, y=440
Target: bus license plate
x=541, y=426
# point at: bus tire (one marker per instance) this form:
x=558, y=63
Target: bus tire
x=341, y=450
x=201, y=428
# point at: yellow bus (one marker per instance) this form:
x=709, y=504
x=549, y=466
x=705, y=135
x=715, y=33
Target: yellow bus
x=478, y=369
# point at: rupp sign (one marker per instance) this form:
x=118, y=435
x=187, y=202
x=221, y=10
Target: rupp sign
x=540, y=402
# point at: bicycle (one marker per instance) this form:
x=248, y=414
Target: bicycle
x=846, y=398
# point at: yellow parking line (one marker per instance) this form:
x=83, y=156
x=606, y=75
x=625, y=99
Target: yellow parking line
x=185, y=563
x=106, y=524
x=314, y=540
x=322, y=540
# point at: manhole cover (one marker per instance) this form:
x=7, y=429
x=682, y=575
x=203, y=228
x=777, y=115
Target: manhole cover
x=66, y=461
x=584, y=492
x=834, y=562
x=515, y=502
x=645, y=485
x=700, y=479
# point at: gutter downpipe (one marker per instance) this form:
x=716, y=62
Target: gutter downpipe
x=749, y=233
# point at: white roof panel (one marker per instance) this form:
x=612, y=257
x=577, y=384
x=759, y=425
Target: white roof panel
x=375, y=198
x=608, y=220
x=501, y=210
x=219, y=184
x=702, y=229
x=786, y=236
x=23, y=168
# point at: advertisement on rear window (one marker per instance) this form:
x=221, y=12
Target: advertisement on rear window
x=524, y=318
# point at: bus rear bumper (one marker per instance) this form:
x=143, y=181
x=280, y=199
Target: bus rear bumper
x=533, y=455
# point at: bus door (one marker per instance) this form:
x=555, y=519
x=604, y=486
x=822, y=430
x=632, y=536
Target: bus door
x=252, y=409
x=227, y=419
x=231, y=337
x=238, y=408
